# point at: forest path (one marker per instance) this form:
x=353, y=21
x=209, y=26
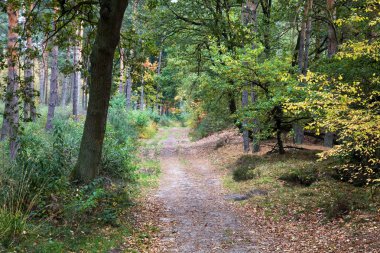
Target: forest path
x=195, y=215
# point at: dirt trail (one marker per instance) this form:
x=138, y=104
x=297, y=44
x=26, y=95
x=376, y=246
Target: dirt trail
x=196, y=217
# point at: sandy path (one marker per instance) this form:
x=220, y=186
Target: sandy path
x=196, y=217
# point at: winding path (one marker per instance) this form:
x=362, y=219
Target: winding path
x=196, y=217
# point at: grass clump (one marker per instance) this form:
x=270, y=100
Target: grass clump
x=303, y=176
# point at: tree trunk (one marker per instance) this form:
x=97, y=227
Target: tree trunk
x=278, y=124
x=128, y=90
x=75, y=95
x=11, y=113
x=102, y=56
x=308, y=36
x=157, y=106
x=45, y=56
x=53, y=97
x=41, y=76
x=331, y=51
x=266, y=7
x=122, y=71
x=142, y=95
x=29, y=107
x=65, y=81
x=244, y=104
x=77, y=74
x=249, y=16
x=303, y=51
x=332, y=38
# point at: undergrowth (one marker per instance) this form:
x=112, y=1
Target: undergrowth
x=298, y=185
x=41, y=211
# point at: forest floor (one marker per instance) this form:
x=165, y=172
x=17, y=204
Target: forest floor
x=197, y=207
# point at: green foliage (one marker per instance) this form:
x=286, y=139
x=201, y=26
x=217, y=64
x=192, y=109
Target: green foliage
x=244, y=173
x=303, y=176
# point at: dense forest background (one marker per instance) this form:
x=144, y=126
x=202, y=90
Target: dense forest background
x=83, y=82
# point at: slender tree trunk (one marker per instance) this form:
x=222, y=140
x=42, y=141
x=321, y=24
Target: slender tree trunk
x=244, y=103
x=303, y=58
x=29, y=108
x=122, y=71
x=249, y=17
x=41, y=77
x=11, y=110
x=328, y=140
x=158, y=85
x=308, y=36
x=128, y=90
x=53, y=98
x=266, y=7
x=65, y=81
x=75, y=95
x=102, y=56
x=77, y=74
x=278, y=122
x=45, y=56
x=142, y=95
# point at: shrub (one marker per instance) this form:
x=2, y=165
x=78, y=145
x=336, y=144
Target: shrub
x=303, y=176
x=245, y=173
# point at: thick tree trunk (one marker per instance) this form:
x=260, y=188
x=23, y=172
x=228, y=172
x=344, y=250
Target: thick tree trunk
x=11, y=110
x=102, y=56
x=53, y=97
x=128, y=90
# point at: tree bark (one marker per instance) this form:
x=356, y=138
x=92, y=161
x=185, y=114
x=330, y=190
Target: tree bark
x=102, y=56
x=128, y=90
x=65, y=81
x=331, y=51
x=77, y=75
x=244, y=104
x=53, y=97
x=45, y=56
x=142, y=94
x=41, y=77
x=11, y=110
x=122, y=71
x=29, y=107
x=308, y=36
x=332, y=38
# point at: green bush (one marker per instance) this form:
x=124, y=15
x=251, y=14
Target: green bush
x=245, y=173
x=303, y=176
